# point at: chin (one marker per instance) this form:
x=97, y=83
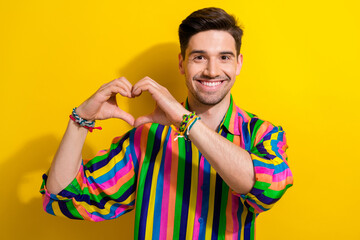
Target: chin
x=209, y=99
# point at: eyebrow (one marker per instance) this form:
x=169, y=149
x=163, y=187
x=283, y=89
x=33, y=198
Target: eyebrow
x=227, y=52
x=202, y=52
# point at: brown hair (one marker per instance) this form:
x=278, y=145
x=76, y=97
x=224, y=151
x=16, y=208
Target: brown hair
x=208, y=19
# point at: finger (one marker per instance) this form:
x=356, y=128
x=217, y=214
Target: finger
x=114, y=89
x=151, y=88
x=123, y=82
x=143, y=119
x=145, y=84
x=127, y=117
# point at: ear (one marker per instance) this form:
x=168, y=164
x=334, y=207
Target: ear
x=239, y=64
x=181, y=62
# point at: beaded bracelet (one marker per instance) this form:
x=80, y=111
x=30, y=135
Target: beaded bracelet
x=90, y=125
x=185, y=125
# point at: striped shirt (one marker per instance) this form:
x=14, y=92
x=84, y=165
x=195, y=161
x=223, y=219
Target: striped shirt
x=173, y=188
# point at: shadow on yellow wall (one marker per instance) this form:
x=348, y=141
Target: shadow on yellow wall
x=23, y=213
x=161, y=64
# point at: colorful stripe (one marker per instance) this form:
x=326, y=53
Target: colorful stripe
x=178, y=194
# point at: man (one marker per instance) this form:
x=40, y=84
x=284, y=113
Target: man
x=201, y=170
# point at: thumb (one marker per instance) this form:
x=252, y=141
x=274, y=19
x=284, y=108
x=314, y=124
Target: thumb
x=143, y=119
x=127, y=117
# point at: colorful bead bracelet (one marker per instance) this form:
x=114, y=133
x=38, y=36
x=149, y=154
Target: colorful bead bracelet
x=90, y=125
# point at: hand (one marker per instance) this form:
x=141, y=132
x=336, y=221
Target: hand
x=102, y=105
x=167, y=111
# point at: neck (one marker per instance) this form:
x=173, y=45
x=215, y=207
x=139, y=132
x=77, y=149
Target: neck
x=211, y=115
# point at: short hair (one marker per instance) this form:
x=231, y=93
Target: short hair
x=208, y=19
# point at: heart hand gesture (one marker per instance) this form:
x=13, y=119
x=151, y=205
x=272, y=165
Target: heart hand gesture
x=167, y=111
x=102, y=105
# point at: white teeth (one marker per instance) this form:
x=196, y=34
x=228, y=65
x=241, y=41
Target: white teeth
x=210, y=84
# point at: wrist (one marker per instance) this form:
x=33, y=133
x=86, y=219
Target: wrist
x=179, y=119
x=90, y=125
x=79, y=111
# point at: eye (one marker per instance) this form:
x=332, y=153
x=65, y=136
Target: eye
x=199, y=57
x=225, y=57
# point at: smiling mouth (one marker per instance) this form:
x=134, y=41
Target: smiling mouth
x=210, y=83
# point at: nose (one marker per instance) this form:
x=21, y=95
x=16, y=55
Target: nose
x=212, y=69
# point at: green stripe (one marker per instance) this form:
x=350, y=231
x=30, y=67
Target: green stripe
x=121, y=190
x=262, y=185
x=222, y=220
x=225, y=190
x=74, y=187
x=255, y=130
x=226, y=121
x=179, y=187
x=252, y=229
x=70, y=206
x=256, y=152
x=102, y=157
x=275, y=194
x=142, y=177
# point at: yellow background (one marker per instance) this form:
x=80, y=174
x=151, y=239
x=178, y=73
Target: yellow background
x=301, y=71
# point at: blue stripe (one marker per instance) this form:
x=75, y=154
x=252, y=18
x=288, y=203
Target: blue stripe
x=217, y=207
x=186, y=191
x=64, y=209
x=248, y=223
x=246, y=136
x=267, y=200
x=277, y=169
x=148, y=179
x=132, y=151
x=111, y=154
x=240, y=211
x=49, y=208
x=205, y=199
x=111, y=173
x=159, y=192
x=112, y=210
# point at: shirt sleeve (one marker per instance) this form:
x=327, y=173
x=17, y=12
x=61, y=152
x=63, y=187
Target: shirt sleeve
x=272, y=173
x=104, y=187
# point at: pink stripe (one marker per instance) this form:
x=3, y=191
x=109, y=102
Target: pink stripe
x=281, y=144
x=235, y=208
x=137, y=138
x=278, y=177
x=281, y=148
x=111, y=182
x=239, y=129
x=242, y=143
x=95, y=218
x=166, y=191
x=269, y=129
x=46, y=199
x=281, y=176
x=83, y=177
x=120, y=210
x=199, y=200
x=236, y=125
x=264, y=170
x=243, y=113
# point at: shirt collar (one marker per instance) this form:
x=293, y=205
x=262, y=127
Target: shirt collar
x=229, y=120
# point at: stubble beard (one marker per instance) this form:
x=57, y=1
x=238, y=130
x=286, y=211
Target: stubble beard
x=208, y=98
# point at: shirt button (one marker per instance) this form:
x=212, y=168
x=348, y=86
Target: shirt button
x=201, y=220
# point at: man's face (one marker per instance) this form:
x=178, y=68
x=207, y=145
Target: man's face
x=210, y=66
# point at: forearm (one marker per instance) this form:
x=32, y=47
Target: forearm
x=233, y=163
x=67, y=159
